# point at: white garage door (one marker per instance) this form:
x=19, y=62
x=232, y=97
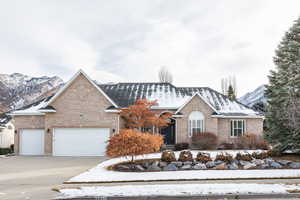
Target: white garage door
x=80, y=141
x=32, y=141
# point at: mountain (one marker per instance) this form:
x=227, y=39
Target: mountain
x=17, y=90
x=254, y=97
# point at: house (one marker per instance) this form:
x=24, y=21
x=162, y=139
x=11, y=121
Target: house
x=81, y=116
x=6, y=131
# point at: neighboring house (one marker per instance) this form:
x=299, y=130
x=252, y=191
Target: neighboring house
x=6, y=131
x=79, y=119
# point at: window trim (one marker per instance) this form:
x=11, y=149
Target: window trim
x=192, y=122
x=232, y=128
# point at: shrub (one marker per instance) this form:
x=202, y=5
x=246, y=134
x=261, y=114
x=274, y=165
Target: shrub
x=225, y=157
x=185, y=156
x=203, y=157
x=226, y=146
x=251, y=141
x=168, y=156
x=205, y=141
x=130, y=142
x=245, y=156
x=260, y=155
x=4, y=151
x=181, y=146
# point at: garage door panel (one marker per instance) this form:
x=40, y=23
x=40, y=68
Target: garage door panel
x=32, y=141
x=80, y=141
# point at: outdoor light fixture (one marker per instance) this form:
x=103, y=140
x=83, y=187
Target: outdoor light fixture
x=48, y=130
x=16, y=131
x=114, y=130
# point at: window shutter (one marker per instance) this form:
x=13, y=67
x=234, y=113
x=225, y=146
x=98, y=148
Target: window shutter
x=189, y=127
x=231, y=128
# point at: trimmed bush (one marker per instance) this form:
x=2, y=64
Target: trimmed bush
x=225, y=157
x=185, y=156
x=205, y=141
x=260, y=155
x=168, y=156
x=203, y=157
x=244, y=157
x=226, y=146
x=181, y=146
x=251, y=141
x=130, y=142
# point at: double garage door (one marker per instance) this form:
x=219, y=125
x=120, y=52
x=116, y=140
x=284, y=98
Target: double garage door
x=66, y=141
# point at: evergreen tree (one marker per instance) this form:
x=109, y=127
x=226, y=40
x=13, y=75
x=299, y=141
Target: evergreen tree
x=283, y=93
x=231, y=93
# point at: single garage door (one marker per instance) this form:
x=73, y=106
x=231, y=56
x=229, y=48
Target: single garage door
x=32, y=141
x=80, y=141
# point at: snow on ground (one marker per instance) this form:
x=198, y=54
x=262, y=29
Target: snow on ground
x=101, y=174
x=178, y=189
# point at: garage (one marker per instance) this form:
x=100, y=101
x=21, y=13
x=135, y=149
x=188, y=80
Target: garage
x=32, y=142
x=80, y=141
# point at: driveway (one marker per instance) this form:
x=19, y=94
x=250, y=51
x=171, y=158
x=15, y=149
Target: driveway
x=32, y=178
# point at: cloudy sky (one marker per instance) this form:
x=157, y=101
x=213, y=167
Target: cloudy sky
x=199, y=41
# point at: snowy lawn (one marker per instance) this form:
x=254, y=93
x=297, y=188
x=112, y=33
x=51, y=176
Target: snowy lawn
x=100, y=173
x=178, y=189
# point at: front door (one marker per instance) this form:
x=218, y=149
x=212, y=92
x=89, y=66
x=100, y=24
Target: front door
x=169, y=132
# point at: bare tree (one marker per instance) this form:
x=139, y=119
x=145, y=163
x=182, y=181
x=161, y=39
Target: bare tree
x=227, y=83
x=164, y=75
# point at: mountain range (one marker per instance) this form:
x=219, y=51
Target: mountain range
x=252, y=98
x=17, y=90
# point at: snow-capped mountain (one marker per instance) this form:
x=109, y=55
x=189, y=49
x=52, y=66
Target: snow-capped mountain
x=17, y=90
x=251, y=98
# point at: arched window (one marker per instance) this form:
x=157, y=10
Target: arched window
x=196, y=123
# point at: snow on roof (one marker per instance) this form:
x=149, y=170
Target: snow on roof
x=167, y=95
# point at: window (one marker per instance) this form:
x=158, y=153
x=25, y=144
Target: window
x=237, y=128
x=196, y=123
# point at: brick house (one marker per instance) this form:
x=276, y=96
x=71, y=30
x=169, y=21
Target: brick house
x=81, y=116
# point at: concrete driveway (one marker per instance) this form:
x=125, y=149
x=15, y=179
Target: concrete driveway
x=31, y=178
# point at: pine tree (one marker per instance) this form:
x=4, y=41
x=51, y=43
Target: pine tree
x=283, y=93
x=231, y=93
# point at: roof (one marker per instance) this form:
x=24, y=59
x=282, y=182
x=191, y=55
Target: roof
x=167, y=95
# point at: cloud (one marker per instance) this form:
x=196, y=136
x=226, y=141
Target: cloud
x=199, y=41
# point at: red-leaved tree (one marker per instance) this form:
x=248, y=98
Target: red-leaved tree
x=140, y=116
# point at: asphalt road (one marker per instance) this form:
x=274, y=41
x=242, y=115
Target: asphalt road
x=32, y=178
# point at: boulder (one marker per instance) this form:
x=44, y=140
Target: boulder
x=284, y=162
x=154, y=167
x=162, y=164
x=294, y=165
x=177, y=163
x=186, y=167
x=221, y=166
x=210, y=164
x=199, y=166
x=139, y=168
x=249, y=166
x=268, y=160
x=218, y=162
x=243, y=163
x=123, y=167
x=187, y=163
x=146, y=165
x=265, y=166
x=258, y=161
x=170, y=167
x=233, y=165
x=275, y=165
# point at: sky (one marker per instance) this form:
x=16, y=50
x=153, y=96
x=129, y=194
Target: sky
x=199, y=42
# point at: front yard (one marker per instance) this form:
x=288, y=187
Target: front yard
x=103, y=173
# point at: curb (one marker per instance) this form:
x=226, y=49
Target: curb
x=198, y=197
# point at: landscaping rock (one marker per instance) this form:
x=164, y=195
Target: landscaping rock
x=268, y=160
x=243, y=163
x=154, y=167
x=235, y=161
x=233, y=166
x=249, y=165
x=146, y=165
x=221, y=166
x=123, y=167
x=170, y=167
x=199, y=166
x=177, y=163
x=187, y=163
x=210, y=164
x=139, y=168
x=162, y=164
x=258, y=161
x=218, y=162
x=294, y=165
x=186, y=167
x=265, y=166
x=284, y=162
x=275, y=165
